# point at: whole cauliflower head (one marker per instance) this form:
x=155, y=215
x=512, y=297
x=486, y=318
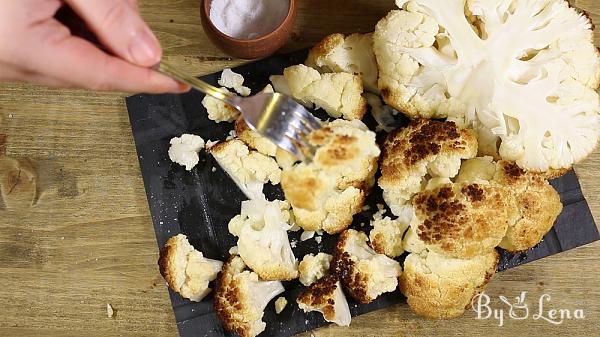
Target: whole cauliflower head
x=313, y=267
x=329, y=191
x=526, y=71
x=263, y=244
x=218, y=110
x=437, y=286
x=364, y=273
x=352, y=54
x=184, y=150
x=241, y=298
x=250, y=170
x=186, y=270
x=423, y=148
x=326, y=296
x=535, y=204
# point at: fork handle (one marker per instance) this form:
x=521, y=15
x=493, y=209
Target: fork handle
x=192, y=81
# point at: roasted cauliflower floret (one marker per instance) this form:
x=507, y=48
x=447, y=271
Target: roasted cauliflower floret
x=339, y=94
x=263, y=244
x=352, y=54
x=313, y=267
x=462, y=220
x=387, y=233
x=186, y=270
x=326, y=296
x=364, y=273
x=263, y=145
x=241, y=298
x=250, y=170
x=425, y=147
x=536, y=204
x=441, y=287
x=525, y=71
x=184, y=150
x=218, y=110
x=233, y=80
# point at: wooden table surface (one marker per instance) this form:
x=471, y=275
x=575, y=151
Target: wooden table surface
x=87, y=239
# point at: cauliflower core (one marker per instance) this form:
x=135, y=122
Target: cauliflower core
x=250, y=170
x=313, y=267
x=326, y=296
x=534, y=203
x=364, y=273
x=352, y=54
x=218, y=110
x=241, y=298
x=263, y=242
x=186, y=271
x=184, y=150
x=329, y=191
x=339, y=94
x=424, y=148
x=525, y=71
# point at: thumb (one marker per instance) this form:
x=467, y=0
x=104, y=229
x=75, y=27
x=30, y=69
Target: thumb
x=119, y=27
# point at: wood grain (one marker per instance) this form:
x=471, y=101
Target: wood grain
x=86, y=238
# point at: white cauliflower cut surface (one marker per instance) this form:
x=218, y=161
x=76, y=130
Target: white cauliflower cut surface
x=327, y=297
x=425, y=148
x=339, y=94
x=218, y=110
x=436, y=286
x=329, y=191
x=263, y=145
x=184, y=150
x=313, y=267
x=364, y=273
x=241, y=298
x=263, y=244
x=250, y=170
x=352, y=54
x=526, y=71
x=186, y=270
x=233, y=80
x=386, y=235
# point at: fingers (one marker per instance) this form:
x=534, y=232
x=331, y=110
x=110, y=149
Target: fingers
x=119, y=27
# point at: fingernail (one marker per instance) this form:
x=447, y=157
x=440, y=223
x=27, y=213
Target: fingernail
x=145, y=49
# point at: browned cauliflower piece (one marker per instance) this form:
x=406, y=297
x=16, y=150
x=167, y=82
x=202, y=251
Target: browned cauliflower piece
x=424, y=148
x=241, y=297
x=313, y=267
x=364, y=273
x=386, y=235
x=326, y=296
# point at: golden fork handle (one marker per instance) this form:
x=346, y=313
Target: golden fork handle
x=192, y=81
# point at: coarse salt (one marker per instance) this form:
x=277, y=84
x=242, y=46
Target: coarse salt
x=248, y=19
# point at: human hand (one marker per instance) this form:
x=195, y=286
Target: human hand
x=35, y=47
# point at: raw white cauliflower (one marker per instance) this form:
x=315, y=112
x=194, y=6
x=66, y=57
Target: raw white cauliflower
x=186, y=270
x=326, y=296
x=249, y=169
x=263, y=244
x=339, y=94
x=526, y=71
x=313, y=267
x=364, y=273
x=184, y=150
x=352, y=54
x=233, y=80
x=218, y=110
x=387, y=233
x=241, y=298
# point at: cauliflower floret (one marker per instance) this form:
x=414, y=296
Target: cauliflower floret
x=233, y=80
x=329, y=191
x=535, y=203
x=352, y=54
x=250, y=170
x=280, y=304
x=263, y=244
x=386, y=235
x=425, y=147
x=218, y=110
x=339, y=94
x=525, y=71
x=313, y=267
x=186, y=270
x=184, y=150
x=326, y=296
x=241, y=298
x=462, y=220
x=436, y=286
x=263, y=145
x=363, y=272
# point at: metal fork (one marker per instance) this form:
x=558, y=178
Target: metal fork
x=277, y=117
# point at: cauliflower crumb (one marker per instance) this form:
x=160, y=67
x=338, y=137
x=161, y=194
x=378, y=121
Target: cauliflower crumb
x=184, y=150
x=110, y=312
x=218, y=110
x=313, y=267
x=318, y=239
x=233, y=80
x=280, y=304
x=233, y=250
x=307, y=235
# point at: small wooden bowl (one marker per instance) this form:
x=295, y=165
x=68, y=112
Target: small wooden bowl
x=249, y=49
